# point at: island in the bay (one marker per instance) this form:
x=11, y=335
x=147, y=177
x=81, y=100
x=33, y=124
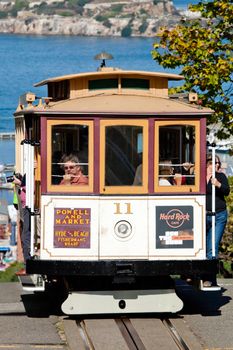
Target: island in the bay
x=87, y=17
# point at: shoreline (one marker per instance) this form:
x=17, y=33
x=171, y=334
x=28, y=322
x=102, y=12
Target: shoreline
x=132, y=19
x=79, y=36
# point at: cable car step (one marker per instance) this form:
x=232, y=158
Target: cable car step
x=33, y=283
x=209, y=288
x=122, y=301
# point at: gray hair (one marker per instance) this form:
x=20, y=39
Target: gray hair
x=69, y=158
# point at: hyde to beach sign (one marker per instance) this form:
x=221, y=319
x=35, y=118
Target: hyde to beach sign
x=174, y=227
x=72, y=228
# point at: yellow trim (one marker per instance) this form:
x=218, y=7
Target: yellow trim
x=179, y=188
x=124, y=189
x=73, y=188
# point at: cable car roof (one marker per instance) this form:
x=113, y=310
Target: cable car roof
x=125, y=104
x=109, y=71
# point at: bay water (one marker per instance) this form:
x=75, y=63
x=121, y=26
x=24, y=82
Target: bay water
x=183, y=4
x=25, y=60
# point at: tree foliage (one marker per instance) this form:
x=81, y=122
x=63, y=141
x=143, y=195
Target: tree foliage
x=19, y=5
x=202, y=48
x=126, y=31
x=75, y=3
x=226, y=246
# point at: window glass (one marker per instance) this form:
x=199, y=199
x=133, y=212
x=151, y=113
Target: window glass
x=69, y=145
x=123, y=155
x=132, y=83
x=59, y=90
x=99, y=84
x=176, y=155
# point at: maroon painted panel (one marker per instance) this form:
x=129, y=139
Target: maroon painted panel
x=72, y=228
x=151, y=155
x=96, y=166
x=43, y=148
x=203, y=156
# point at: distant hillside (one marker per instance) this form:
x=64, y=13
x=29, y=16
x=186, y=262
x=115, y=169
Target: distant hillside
x=87, y=17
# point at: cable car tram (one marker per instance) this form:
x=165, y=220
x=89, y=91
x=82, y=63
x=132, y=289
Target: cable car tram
x=117, y=200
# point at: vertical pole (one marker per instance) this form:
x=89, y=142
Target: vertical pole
x=26, y=168
x=213, y=203
x=22, y=158
x=32, y=190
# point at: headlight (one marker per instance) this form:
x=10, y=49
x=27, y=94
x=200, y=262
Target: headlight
x=123, y=229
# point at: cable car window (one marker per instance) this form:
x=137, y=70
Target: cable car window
x=102, y=84
x=59, y=90
x=178, y=159
x=125, y=157
x=70, y=155
x=122, y=154
x=132, y=83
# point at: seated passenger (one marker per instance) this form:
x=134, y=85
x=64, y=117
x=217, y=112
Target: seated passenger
x=73, y=171
x=166, y=173
x=189, y=173
x=138, y=176
x=178, y=179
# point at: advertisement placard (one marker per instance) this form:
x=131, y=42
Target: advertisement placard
x=174, y=227
x=72, y=228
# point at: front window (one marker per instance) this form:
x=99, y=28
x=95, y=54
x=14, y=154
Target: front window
x=124, y=150
x=177, y=156
x=70, y=162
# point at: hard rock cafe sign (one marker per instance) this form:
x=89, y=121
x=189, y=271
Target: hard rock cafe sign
x=174, y=227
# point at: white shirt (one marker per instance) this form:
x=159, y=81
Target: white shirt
x=164, y=182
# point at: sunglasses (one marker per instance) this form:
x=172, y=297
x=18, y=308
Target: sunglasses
x=70, y=167
x=210, y=162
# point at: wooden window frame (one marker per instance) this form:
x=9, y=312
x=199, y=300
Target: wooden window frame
x=72, y=188
x=131, y=189
x=177, y=188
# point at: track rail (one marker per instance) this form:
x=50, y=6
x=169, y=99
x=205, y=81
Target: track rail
x=125, y=333
x=175, y=335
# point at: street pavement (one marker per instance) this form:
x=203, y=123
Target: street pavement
x=32, y=320
x=25, y=320
x=210, y=315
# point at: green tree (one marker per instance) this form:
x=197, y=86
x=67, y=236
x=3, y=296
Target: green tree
x=19, y=5
x=76, y=3
x=3, y=14
x=202, y=48
x=143, y=27
x=126, y=31
x=226, y=246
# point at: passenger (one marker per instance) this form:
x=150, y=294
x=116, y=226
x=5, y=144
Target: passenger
x=178, y=179
x=188, y=167
x=73, y=171
x=16, y=184
x=25, y=233
x=222, y=189
x=166, y=173
x=138, y=176
x=25, y=221
x=189, y=173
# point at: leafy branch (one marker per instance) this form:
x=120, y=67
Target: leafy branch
x=202, y=49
